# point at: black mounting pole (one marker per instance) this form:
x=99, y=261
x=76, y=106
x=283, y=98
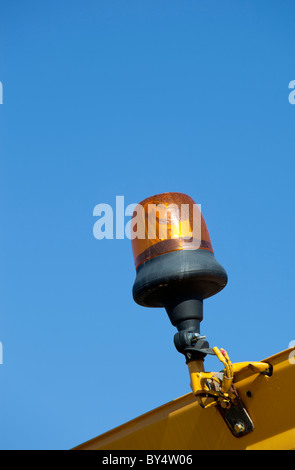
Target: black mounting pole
x=179, y=281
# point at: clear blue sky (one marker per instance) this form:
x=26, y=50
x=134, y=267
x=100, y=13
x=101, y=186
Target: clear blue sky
x=111, y=97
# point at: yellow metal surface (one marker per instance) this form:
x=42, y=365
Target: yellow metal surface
x=183, y=425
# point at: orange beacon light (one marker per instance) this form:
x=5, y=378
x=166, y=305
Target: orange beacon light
x=175, y=265
x=170, y=222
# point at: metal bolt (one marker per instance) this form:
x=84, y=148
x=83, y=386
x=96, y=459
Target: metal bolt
x=193, y=337
x=239, y=427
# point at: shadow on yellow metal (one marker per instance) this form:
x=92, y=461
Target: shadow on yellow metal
x=183, y=425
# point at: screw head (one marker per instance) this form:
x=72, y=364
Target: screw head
x=239, y=427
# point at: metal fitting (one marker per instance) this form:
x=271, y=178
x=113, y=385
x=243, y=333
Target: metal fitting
x=239, y=427
x=194, y=337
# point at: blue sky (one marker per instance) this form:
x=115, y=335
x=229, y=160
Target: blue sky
x=105, y=98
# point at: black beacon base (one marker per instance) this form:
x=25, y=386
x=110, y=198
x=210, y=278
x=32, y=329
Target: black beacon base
x=179, y=281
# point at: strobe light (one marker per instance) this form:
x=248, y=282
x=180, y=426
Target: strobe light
x=175, y=265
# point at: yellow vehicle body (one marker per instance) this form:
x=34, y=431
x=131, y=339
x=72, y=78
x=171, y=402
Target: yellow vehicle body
x=184, y=425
